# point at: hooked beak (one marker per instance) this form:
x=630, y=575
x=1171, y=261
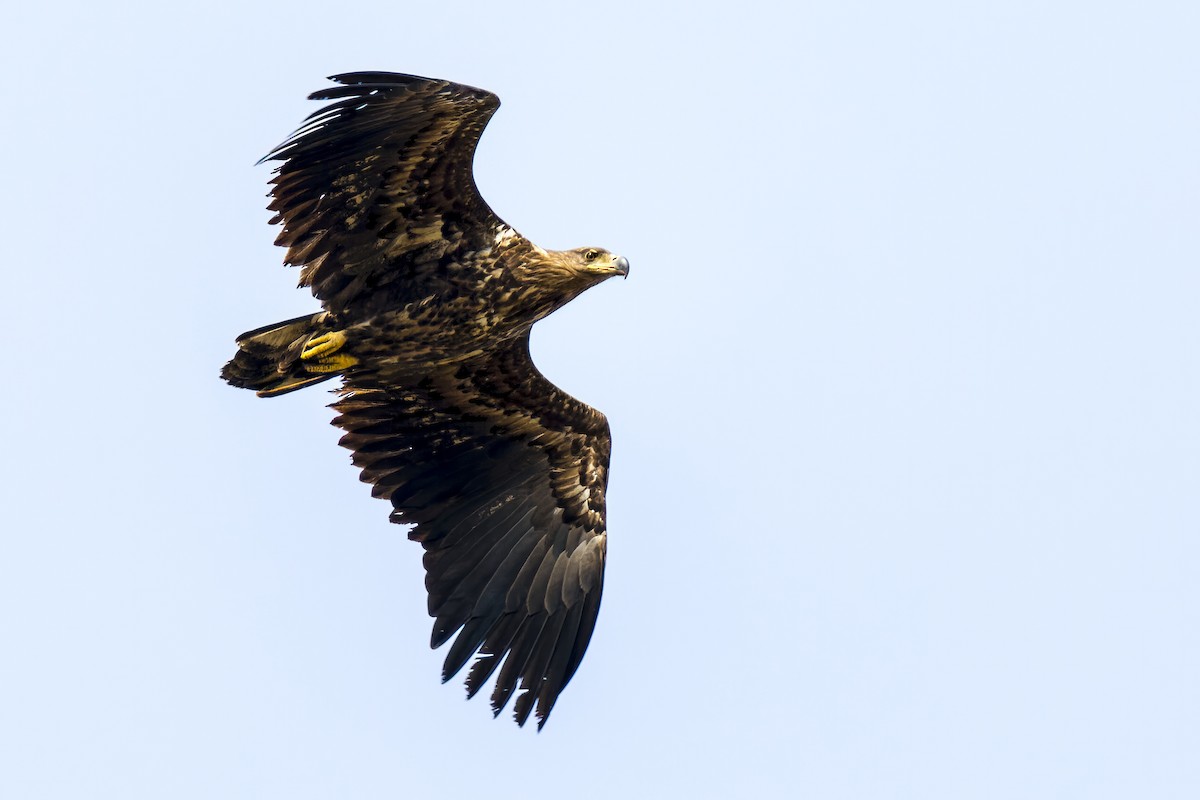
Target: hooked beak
x=621, y=264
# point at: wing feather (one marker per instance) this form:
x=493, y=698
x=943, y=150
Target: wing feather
x=519, y=652
x=533, y=677
x=560, y=661
x=495, y=645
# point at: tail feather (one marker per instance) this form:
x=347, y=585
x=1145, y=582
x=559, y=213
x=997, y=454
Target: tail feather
x=268, y=358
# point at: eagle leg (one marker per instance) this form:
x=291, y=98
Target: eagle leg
x=320, y=353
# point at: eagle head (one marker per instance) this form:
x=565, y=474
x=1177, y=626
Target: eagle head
x=550, y=279
x=598, y=263
x=581, y=267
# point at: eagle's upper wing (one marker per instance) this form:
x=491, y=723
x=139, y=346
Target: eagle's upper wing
x=380, y=182
x=503, y=475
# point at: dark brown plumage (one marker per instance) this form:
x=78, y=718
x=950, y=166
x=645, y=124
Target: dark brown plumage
x=428, y=301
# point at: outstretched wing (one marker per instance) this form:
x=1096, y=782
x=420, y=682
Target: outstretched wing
x=503, y=475
x=378, y=185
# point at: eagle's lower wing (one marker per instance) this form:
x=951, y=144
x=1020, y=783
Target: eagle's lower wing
x=503, y=475
x=379, y=183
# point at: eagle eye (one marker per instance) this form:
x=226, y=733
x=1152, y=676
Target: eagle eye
x=591, y=255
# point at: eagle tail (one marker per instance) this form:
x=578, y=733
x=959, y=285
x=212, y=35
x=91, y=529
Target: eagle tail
x=282, y=358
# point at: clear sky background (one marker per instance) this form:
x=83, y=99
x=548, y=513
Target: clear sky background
x=904, y=390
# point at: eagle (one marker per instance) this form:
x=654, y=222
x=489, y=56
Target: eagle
x=427, y=301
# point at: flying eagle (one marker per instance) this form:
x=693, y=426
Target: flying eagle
x=428, y=298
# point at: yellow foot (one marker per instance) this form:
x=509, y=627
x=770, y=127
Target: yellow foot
x=320, y=353
x=324, y=345
x=331, y=364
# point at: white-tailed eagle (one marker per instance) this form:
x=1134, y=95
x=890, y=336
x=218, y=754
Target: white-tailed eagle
x=428, y=298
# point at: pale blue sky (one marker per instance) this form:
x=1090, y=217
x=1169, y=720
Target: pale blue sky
x=903, y=389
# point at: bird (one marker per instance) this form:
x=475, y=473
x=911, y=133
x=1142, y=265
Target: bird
x=427, y=301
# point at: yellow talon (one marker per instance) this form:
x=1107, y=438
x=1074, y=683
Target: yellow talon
x=320, y=353
x=331, y=364
x=324, y=345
